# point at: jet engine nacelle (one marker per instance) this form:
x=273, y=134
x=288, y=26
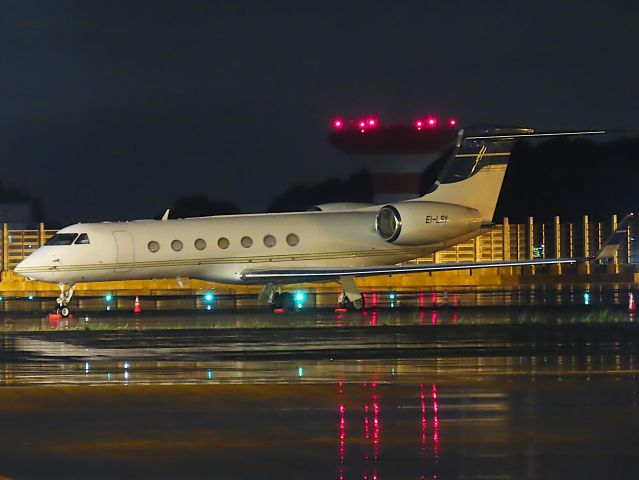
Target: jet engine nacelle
x=425, y=223
x=338, y=206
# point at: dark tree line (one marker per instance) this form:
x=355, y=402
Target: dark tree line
x=356, y=188
x=11, y=194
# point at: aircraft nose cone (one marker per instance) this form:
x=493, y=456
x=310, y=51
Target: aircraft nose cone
x=21, y=267
x=26, y=266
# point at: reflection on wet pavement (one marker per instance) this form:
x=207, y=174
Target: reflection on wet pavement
x=421, y=393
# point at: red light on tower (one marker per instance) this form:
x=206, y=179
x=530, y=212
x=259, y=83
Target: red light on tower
x=372, y=122
x=431, y=121
x=362, y=124
x=338, y=123
x=452, y=122
x=419, y=124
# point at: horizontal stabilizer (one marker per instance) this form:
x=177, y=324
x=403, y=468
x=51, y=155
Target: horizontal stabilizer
x=534, y=135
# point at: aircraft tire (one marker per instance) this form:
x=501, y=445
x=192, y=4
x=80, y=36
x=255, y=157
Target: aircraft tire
x=283, y=300
x=355, y=306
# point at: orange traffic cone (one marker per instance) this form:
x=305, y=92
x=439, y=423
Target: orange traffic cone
x=631, y=302
x=137, y=308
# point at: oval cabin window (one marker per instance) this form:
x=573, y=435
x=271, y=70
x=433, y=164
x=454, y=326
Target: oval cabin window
x=246, y=242
x=176, y=245
x=292, y=239
x=153, y=246
x=223, y=243
x=200, y=244
x=270, y=241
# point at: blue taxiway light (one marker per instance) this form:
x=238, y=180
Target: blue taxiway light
x=300, y=297
x=30, y=297
x=391, y=296
x=108, y=297
x=586, y=298
x=209, y=297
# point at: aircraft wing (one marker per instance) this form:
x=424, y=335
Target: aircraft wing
x=321, y=274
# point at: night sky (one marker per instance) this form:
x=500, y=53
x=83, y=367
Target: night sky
x=112, y=111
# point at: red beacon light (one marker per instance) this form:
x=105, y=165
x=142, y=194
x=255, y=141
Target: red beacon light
x=338, y=123
x=431, y=121
x=419, y=124
x=452, y=122
x=371, y=122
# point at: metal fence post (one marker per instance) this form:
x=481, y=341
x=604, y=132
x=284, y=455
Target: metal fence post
x=505, y=239
x=558, y=243
x=586, y=231
x=40, y=234
x=571, y=241
x=5, y=247
x=629, y=237
x=531, y=242
x=615, y=259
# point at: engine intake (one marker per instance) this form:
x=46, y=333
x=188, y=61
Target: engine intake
x=425, y=223
x=388, y=223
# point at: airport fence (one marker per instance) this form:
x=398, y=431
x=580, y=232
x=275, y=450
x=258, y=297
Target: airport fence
x=506, y=241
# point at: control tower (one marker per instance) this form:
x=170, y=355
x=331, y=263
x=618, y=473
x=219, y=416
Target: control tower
x=396, y=155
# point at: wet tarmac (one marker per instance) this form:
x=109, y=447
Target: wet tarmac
x=530, y=390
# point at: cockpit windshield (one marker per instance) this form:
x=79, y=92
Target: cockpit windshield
x=61, y=239
x=83, y=239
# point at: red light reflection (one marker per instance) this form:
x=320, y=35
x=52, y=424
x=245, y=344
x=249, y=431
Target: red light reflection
x=342, y=429
x=435, y=424
x=376, y=425
x=422, y=398
x=371, y=409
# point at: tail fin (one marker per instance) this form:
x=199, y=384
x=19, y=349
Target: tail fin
x=475, y=172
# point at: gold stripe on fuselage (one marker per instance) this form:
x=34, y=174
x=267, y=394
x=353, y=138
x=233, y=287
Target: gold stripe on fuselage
x=293, y=257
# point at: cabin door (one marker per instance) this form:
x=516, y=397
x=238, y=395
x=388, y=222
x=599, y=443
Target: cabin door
x=125, y=252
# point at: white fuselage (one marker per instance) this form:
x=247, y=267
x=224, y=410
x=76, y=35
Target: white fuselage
x=123, y=250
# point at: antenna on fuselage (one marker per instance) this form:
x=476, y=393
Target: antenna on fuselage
x=166, y=215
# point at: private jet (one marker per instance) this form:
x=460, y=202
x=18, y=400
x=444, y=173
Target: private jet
x=335, y=242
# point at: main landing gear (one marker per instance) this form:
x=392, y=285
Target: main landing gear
x=350, y=298
x=275, y=298
x=66, y=293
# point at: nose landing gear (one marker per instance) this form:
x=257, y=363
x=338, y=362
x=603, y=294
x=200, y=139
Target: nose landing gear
x=66, y=293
